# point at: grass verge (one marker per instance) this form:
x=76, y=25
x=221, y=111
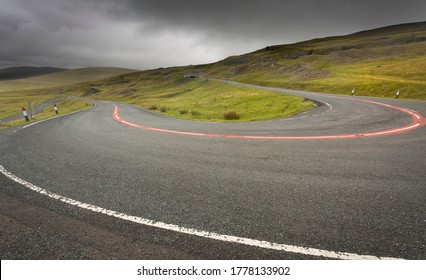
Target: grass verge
x=203, y=99
x=64, y=107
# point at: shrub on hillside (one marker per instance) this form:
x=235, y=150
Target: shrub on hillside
x=153, y=107
x=195, y=113
x=231, y=115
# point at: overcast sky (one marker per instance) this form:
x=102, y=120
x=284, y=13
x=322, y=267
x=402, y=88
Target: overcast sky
x=145, y=34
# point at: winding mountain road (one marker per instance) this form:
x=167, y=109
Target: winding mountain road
x=344, y=180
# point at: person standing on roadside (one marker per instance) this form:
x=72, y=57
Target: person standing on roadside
x=397, y=94
x=55, y=108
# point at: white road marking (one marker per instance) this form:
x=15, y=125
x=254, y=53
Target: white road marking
x=327, y=104
x=196, y=232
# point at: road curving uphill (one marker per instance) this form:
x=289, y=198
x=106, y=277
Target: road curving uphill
x=192, y=186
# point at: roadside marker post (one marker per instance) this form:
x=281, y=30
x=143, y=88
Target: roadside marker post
x=24, y=112
x=30, y=106
x=55, y=108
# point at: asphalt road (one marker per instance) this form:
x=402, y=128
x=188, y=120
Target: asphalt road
x=361, y=195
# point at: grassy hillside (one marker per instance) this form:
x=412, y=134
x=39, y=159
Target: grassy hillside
x=62, y=78
x=65, y=106
x=17, y=93
x=168, y=92
x=163, y=90
x=376, y=63
x=13, y=73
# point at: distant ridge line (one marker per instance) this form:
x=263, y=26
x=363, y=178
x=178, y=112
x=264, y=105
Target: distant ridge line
x=20, y=72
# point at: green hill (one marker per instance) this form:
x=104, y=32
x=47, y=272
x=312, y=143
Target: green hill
x=17, y=93
x=62, y=78
x=14, y=73
x=376, y=63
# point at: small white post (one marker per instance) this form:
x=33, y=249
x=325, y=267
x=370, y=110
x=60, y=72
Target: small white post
x=30, y=106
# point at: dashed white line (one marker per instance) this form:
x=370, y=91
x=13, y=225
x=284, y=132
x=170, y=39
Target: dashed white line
x=195, y=232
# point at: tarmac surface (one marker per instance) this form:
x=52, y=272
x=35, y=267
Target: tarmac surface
x=364, y=196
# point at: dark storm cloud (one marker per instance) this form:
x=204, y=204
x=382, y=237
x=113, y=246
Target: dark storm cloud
x=250, y=17
x=153, y=33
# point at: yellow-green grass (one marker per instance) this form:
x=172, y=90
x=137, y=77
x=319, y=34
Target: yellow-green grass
x=375, y=63
x=342, y=82
x=12, y=102
x=66, y=106
x=202, y=99
x=62, y=78
x=380, y=77
x=15, y=94
x=167, y=92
